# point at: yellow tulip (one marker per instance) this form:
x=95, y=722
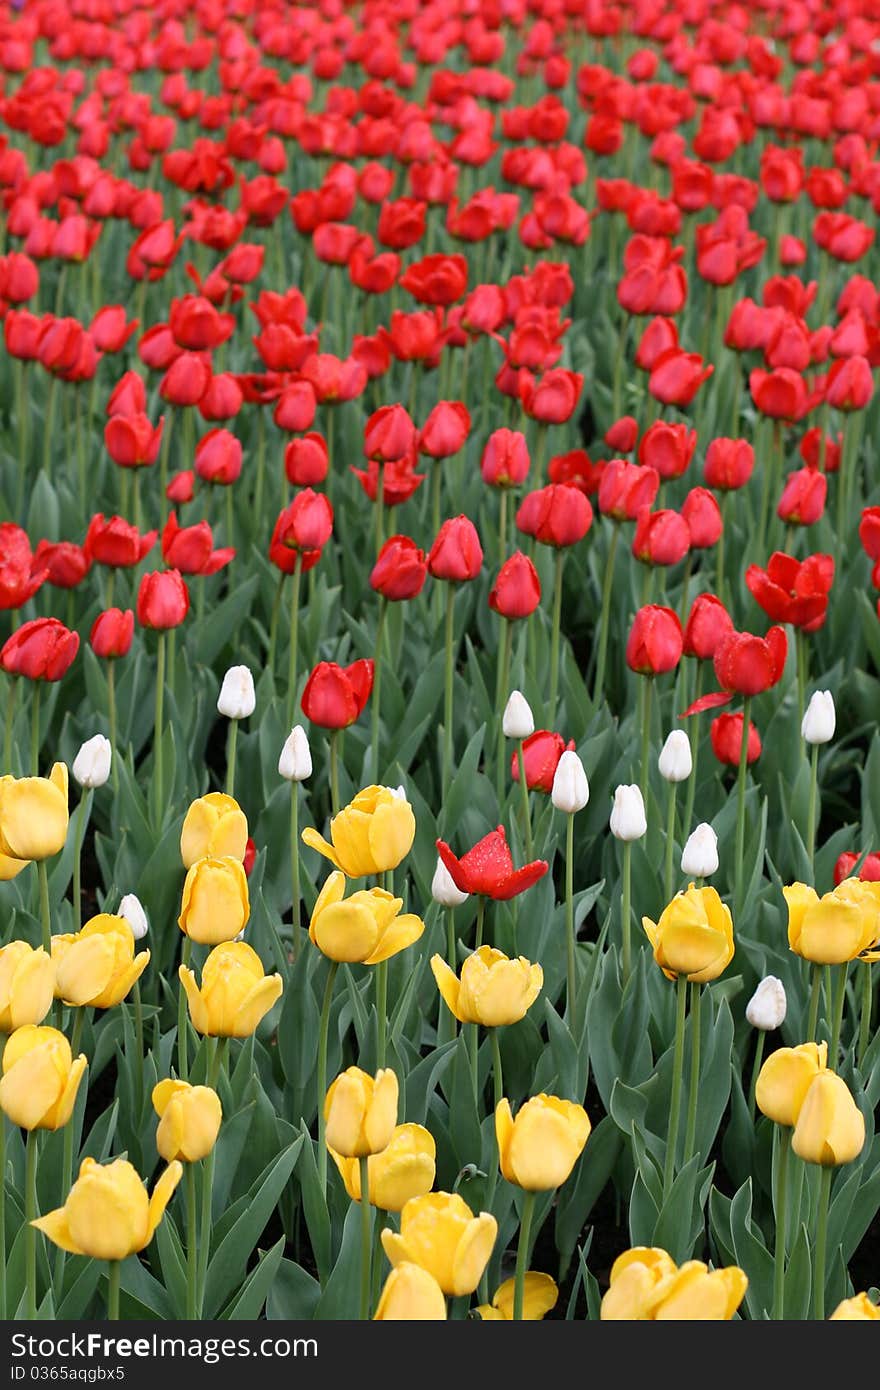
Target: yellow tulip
x=440, y=1233
x=215, y=904
x=694, y=936
x=10, y=868
x=539, y=1296
x=370, y=835
x=831, y=929
x=97, y=965
x=859, y=1308
x=107, y=1214
x=785, y=1078
x=646, y=1286
x=235, y=992
x=361, y=1112
x=214, y=825
x=411, y=1294
x=40, y=1078
x=493, y=989
x=830, y=1127
x=405, y=1169
x=27, y=985
x=189, y=1120
x=539, y=1148
x=33, y=815
x=365, y=928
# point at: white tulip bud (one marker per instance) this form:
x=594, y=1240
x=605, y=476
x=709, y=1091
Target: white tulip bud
x=819, y=721
x=237, y=698
x=399, y=792
x=571, y=790
x=295, y=762
x=675, y=761
x=518, y=721
x=699, y=858
x=443, y=890
x=91, y=766
x=766, y=1008
x=628, y=820
x=132, y=909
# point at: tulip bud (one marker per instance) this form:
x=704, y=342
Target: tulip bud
x=571, y=790
x=675, y=761
x=518, y=721
x=295, y=762
x=91, y=766
x=443, y=890
x=132, y=909
x=766, y=1008
x=628, y=820
x=699, y=858
x=818, y=723
x=237, y=698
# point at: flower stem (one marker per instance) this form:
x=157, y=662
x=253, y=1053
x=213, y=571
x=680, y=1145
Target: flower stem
x=294, y=865
x=675, y=1099
x=206, y=1226
x=231, y=741
x=811, y=805
x=11, y=692
x=381, y=1011
x=334, y=772
x=192, y=1271
x=323, y=1031
x=366, y=1237
x=481, y=912
x=294, y=642
x=449, y=673
x=556, y=623
x=670, y=843
x=626, y=911
x=35, y=729
x=473, y=1044
x=865, y=1013
x=571, y=964
x=111, y=722
x=815, y=988
x=524, y=797
x=377, y=691
x=690, y=1132
x=113, y=1271
x=781, y=1220
x=501, y=693
x=821, y=1245
x=647, y=692
x=30, y=1213
x=756, y=1068
x=741, y=805
x=273, y=622
x=604, y=617
x=695, y=751
x=522, y=1254
x=837, y=1016
x=45, y=918
x=158, y=769
x=182, y=1058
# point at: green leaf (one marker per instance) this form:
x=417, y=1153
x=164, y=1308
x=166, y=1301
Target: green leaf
x=254, y=1292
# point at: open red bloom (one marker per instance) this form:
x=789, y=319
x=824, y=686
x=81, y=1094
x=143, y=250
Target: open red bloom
x=488, y=869
x=400, y=570
x=745, y=665
x=190, y=549
x=726, y=731
x=115, y=542
x=163, y=600
x=334, y=696
x=576, y=469
x=541, y=753
x=793, y=591
x=654, y=644
x=41, y=650
x=399, y=481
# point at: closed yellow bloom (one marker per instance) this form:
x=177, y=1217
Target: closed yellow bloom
x=235, y=992
x=370, y=835
x=215, y=904
x=189, y=1120
x=27, y=985
x=107, y=1214
x=33, y=815
x=493, y=989
x=859, y=1308
x=830, y=1127
x=40, y=1078
x=97, y=965
x=539, y=1296
x=440, y=1233
x=361, y=1112
x=405, y=1169
x=785, y=1078
x=411, y=1294
x=214, y=824
x=10, y=868
x=646, y=1286
x=694, y=936
x=539, y=1148
x=831, y=929
x=366, y=928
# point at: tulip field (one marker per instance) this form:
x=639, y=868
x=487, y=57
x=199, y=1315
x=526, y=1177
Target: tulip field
x=440, y=646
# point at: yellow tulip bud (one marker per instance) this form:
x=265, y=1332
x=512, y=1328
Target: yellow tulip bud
x=235, y=993
x=859, y=1308
x=411, y=1294
x=646, y=1286
x=694, y=936
x=785, y=1078
x=539, y=1148
x=107, y=1214
x=27, y=985
x=40, y=1078
x=366, y=928
x=33, y=815
x=361, y=1112
x=214, y=825
x=831, y=929
x=539, y=1296
x=637, y=1276
x=97, y=965
x=493, y=989
x=440, y=1233
x=370, y=835
x=215, y=904
x=405, y=1169
x=189, y=1120
x=830, y=1128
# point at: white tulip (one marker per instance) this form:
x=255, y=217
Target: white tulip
x=132, y=909
x=295, y=762
x=443, y=890
x=91, y=766
x=819, y=721
x=628, y=820
x=699, y=858
x=237, y=698
x=571, y=790
x=675, y=761
x=518, y=720
x=766, y=1008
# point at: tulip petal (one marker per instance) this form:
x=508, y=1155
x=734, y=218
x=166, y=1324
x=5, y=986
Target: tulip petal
x=197, y=1011
x=67, y=1100
x=395, y=1247
x=256, y=1005
x=448, y=985
x=403, y=931
x=30, y=1088
x=391, y=831
x=317, y=842
x=162, y=1194
x=472, y=1253
x=54, y=1225
x=86, y=969
x=345, y=931
x=164, y=1091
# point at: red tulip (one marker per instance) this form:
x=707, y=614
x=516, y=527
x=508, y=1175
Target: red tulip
x=436, y=279
x=64, y=564
x=793, y=591
x=659, y=337
x=849, y=384
x=803, y=497
x=708, y=622
x=113, y=541
x=729, y=464
x=162, y=600
x=190, y=549
x=181, y=487
x=505, y=460
x=626, y=488
x=846, y=863
x=399, y=481
x=445, y=431
x=677, y=376
x=622, y=435
x=186, y=380
x=41, y=650
x=553, y=397
x=20, y=578
x=112, y=632
x=661, y=538
x=389, y=434
x=747, y=665
x=781, y=394
x=726, y=731
x=218, y=457
x=302, y=530
x=334, y=696
x=456, y=554
x=109, y=330
x=132, y=441
x=811, y=449
x=555, y=515
x=488, y=869
x=703, y=516
x=400, y=570
x=667, y=448
x=654, y=644
x=576, y=469
x=517, y=590
x=222, y=399
x=128, y=397
x=843, y=237
x=306, y=461
x=541, y=753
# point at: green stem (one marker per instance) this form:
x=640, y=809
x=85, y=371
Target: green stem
x=670, y=843
x=111, y=721
x=446, y=1020
x=524, y=799
x=381, y=1011
x=811, y=806
x=49, y=426
x=192, y=1248
x=571, y=965
x=695, y=751
x=231, y=741
x=30, y=1213
x=45, y=916
x=163, y=463
x=815, y=987
x=182, y=1057
x=801, y=663
x=11, y=692
x=334, y=772
x=35, y=729
x=837, y=1018
x=675, y=1100
x=294, y=866
x=377, y=691
x=323, y=1032
x=647, y=692
x=158, y=766
x=756, y=1069
x=626, y=911
x=481, y=912
x=741, y=806
x=380, y=506
x=604, y=618
x=449, y=674
x=781, y=1221
x=502, y=690
x=821, y=1245
x=113, y=1272
x=206, y=1226
x=556, y=624
x=294, y=643
x=473, y=1046
x=78, y=829
x=522, y=1254
x=273, y=622
x=690, y=1132
x=502, y=526
x=366, y=1238
x=865, y=1013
